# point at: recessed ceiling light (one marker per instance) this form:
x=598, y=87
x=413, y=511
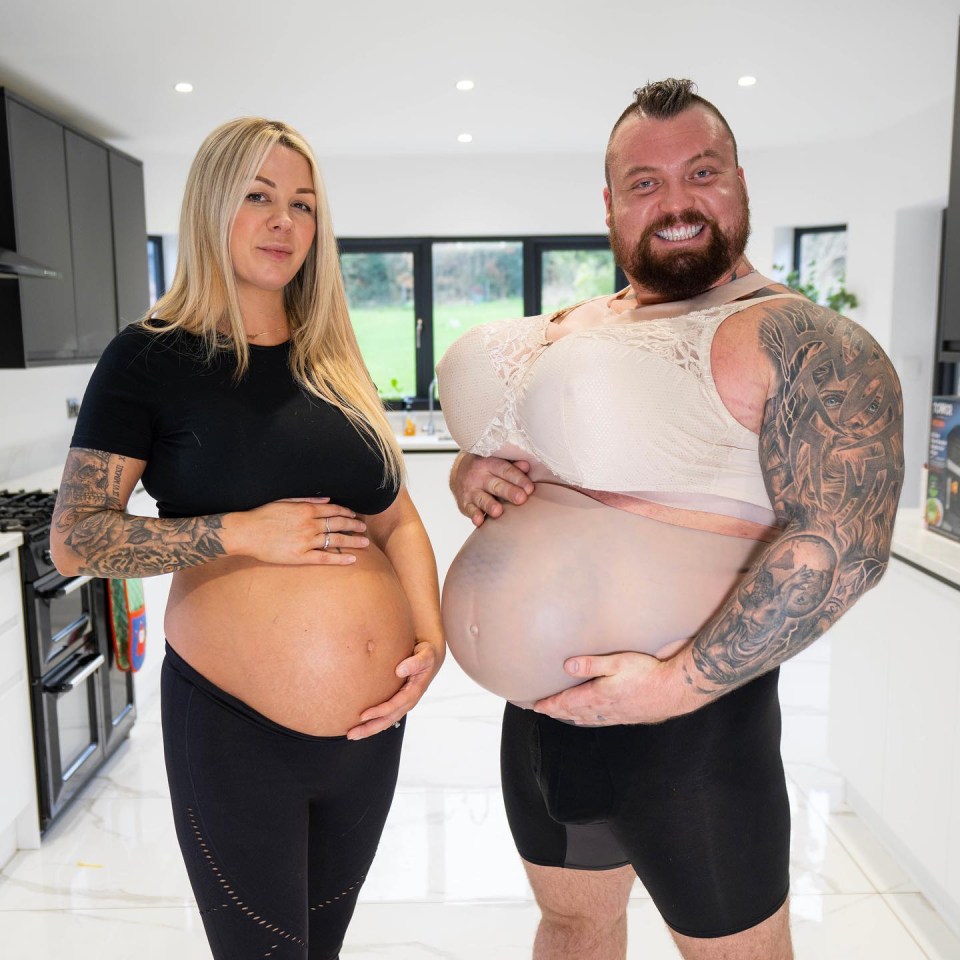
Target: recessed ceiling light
x=464, y=84
x=747, y=81
x=465, y=138
x=183, y=87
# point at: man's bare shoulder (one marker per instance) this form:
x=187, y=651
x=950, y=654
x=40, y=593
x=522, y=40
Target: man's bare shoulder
x=798, y=335
x=763, y=332
x=767, y=343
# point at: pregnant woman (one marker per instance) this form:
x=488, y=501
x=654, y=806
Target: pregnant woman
x=303, y=620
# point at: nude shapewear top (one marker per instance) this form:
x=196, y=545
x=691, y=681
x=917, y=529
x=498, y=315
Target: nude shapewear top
x=623, y=406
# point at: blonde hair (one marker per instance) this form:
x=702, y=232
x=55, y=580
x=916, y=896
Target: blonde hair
x=325, y=358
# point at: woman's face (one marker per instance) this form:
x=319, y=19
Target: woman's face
x=275, y=225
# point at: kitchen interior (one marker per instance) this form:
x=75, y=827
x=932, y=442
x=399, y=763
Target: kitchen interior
x=857, y=125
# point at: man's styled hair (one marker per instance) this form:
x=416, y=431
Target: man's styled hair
x=663, y=100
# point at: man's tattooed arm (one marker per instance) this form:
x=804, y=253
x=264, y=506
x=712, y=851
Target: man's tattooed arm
x=831, y=450
x=92, y=531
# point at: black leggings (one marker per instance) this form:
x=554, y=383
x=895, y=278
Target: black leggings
x=698, y=805
x=277, y=828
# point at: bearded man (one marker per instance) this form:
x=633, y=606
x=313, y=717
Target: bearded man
x=691, y=481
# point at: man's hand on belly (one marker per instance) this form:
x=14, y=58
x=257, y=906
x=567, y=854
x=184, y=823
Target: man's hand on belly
x=480, y=483
x=620, y=688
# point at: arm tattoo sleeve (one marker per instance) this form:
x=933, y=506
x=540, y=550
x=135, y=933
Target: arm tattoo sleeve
x=831, y=450
x=111, y=543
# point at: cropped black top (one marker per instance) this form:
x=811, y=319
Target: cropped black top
x=213, y=444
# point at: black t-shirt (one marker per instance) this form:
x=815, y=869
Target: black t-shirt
x=214, y=444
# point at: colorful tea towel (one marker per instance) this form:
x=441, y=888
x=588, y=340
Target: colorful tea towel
x=128, y=623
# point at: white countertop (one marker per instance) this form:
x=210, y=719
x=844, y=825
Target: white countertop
x=48, y=479
x=932, y=552
x=424, y=443
x=10, y=541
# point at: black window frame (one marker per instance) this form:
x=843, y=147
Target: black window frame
x=800, y=232
x=155, y=250
x=532, y=249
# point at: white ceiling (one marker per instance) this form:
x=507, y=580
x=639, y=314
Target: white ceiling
x=377, y=76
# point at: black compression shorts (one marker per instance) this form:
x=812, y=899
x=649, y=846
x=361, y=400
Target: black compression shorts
x=698, y=805
x=277, y=828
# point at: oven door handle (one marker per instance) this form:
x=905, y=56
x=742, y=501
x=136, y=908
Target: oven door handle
x=77, y=677
x=75, y=584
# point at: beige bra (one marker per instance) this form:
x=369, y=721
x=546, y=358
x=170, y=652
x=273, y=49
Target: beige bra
x=624, y=404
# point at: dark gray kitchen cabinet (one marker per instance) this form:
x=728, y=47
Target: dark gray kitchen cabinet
x=72, y=203
x=91, y=234
x=40, y=230
x=129, y=238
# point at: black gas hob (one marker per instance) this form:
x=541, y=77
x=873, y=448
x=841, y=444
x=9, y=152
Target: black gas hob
x=30, y=513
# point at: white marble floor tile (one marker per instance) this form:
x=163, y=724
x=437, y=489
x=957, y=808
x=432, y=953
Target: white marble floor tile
x=447, y=845
x=461, y=932
x=450, y=753
x=105, y=852
x=925, y=925
x=851, y=927
x=136, y=770
x=819, y=863
x=164, y=933
x=820, y=782
x=886, y=875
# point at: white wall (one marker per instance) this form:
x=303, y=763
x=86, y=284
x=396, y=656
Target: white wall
x=889, y=189
x=34, y=429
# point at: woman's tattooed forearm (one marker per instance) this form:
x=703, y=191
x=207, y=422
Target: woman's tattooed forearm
x=111, y=543
x=831, y=450
x=114, y=544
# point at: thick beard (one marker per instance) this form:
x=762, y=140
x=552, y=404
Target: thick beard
x=680, y=276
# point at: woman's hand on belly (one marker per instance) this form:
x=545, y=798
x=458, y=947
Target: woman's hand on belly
x=308, y=530
x=417, y=670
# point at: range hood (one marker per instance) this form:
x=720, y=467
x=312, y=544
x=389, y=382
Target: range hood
x=14, y=265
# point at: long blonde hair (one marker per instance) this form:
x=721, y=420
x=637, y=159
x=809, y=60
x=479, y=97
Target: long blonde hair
x=324, y=356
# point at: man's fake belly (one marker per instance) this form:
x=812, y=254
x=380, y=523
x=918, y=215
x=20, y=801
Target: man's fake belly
x=564, y=575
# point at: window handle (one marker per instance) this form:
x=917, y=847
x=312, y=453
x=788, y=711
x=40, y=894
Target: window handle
x=419, y=330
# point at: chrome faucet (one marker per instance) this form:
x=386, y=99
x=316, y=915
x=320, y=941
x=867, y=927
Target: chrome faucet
x=431, y=428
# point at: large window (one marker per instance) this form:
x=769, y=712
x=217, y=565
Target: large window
x=820, y=258
x=411, y=298
x=155, y=268
x=380, y=292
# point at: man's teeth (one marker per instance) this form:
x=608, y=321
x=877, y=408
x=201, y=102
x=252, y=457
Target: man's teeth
x=679, y=233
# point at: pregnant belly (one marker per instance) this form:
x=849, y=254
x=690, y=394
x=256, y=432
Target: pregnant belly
x=565, y=575
x=310, y=647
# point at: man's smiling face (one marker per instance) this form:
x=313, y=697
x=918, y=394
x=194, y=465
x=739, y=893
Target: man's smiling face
x=677, y=203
